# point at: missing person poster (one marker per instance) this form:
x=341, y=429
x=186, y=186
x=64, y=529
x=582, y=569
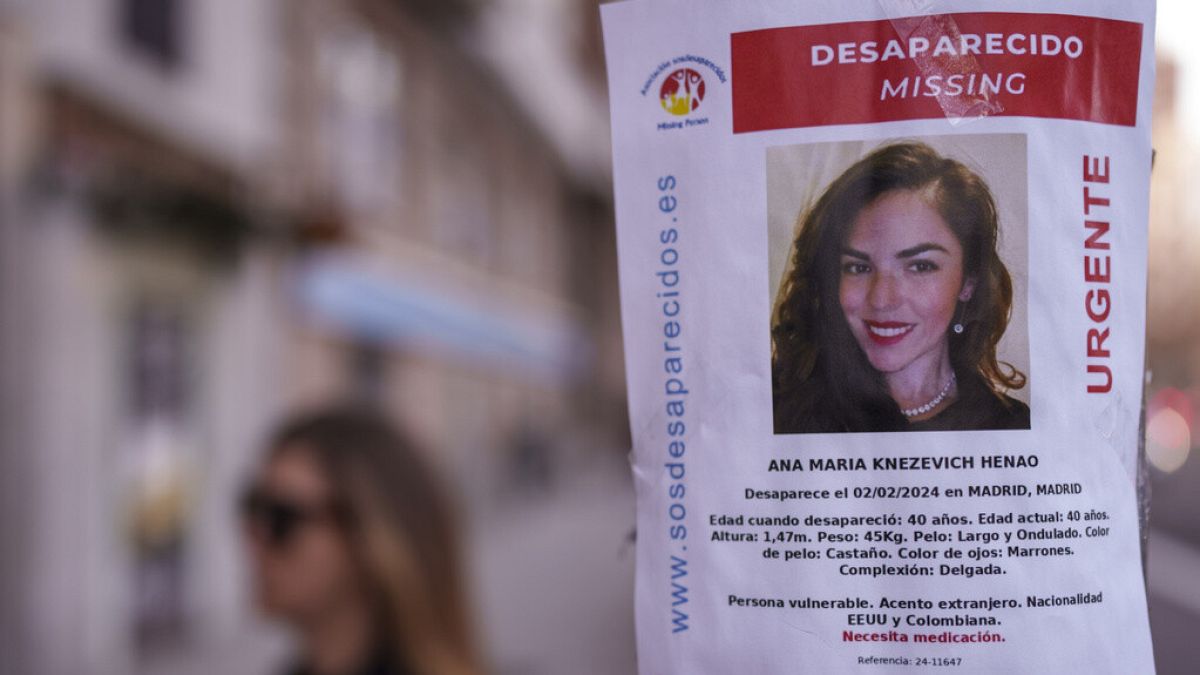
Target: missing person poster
x=883, y=278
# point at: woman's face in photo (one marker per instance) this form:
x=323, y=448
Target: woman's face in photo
x=901, y=281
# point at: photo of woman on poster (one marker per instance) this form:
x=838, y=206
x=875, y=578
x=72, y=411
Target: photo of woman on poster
x=889, y=316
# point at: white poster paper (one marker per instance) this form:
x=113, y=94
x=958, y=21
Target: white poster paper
x=883, y=289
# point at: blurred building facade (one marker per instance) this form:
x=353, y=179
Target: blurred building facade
x=213, y=213
x=1173, y=364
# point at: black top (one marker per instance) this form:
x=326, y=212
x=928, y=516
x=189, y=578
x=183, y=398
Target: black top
x=977, y=407
x=380, y=663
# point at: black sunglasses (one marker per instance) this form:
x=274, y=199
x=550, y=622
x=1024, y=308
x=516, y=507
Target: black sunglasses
x=280, y=518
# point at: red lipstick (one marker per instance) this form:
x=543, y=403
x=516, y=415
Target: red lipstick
x=886, y=333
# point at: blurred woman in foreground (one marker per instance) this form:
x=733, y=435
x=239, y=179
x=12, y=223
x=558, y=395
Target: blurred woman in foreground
x=354, y=547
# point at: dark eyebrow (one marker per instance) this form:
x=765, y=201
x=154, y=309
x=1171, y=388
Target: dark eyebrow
x=921, y=248
x=846, y=250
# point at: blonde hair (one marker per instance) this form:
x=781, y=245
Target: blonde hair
x=401, y=530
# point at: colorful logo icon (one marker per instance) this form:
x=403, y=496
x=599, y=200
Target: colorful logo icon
x=682, y=91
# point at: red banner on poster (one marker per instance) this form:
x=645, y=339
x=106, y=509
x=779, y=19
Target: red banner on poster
x=953, y=65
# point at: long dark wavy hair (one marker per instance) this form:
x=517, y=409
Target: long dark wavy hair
x=821, y=377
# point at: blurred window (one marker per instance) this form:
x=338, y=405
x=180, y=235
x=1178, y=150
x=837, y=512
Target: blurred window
x=154, y=28
x=360, y=117
x=368, y=372
x=156, y=459
x=462, y=201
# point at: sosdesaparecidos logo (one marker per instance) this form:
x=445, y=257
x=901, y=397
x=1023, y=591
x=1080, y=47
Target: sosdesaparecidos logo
x=682, y=91
x=682, y=88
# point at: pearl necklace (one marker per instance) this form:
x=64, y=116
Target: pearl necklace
x=922, y=409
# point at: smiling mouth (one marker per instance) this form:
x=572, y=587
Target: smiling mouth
x=888, y=332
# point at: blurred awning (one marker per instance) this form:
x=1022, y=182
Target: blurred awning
x=375, y=305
